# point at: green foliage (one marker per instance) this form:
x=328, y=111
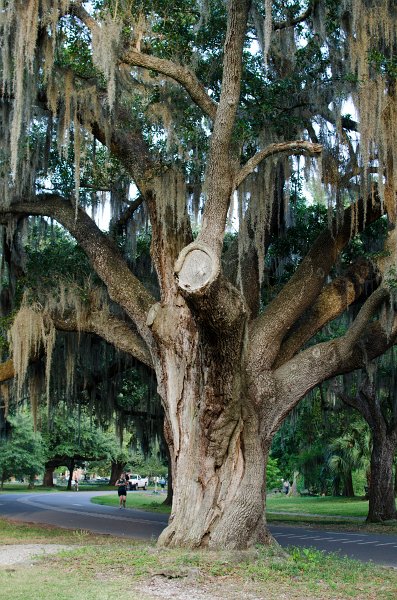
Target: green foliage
x=273, y=474
x=351, y=449
x=70, y=433
x=324, y=441
x=23, y=453
x=385, y=65
x=53, y=256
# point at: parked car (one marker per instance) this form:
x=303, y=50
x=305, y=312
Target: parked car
x=136, y=482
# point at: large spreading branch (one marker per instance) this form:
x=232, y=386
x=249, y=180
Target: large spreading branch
x=304, y=287
x=110, y=328
x=122, y=136
x=335, y=298
x=198, y=267
x=361, y=343
x=122, y=285
x=179, y=73
x=128, y=145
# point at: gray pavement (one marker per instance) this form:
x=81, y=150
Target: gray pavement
x=74, y=510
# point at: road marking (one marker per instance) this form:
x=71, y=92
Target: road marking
x=363, y=543
x=388, y=544
x=330, y=539
x=341, y=540
x=76, y=504
x=351, y=534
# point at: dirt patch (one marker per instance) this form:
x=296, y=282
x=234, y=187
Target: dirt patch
x=177, y=589
x=13, y=554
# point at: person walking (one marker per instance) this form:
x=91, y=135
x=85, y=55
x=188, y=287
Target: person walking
x=122, y=490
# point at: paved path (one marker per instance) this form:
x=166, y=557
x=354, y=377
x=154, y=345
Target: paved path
x=379, y=548
x=75, y=511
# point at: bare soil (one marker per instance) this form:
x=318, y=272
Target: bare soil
x=13, y=554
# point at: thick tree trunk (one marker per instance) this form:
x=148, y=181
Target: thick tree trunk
x=219, y=503
x=395, y=481
x=348, y=489
x=214, y=432
x=336, y=485
x=48, y=479
x=116, y=471
x=382, y=504
x=217, y=452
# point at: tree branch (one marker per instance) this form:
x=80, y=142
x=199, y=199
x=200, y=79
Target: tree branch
x=127, y=214
x=220, y=172
x=110, y=328
x=113, y=330
x=360, y=403
x=126, y=143
x=364, y=316
x=332, y=302
x=122, y=285
x=361, y=344
x=301, y=291
x=298, y=147
x=179, y=73
x=259, y=20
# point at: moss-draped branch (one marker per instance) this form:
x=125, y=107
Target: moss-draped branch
x=123, y=287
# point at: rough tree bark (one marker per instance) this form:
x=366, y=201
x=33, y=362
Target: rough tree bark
x=382, y=505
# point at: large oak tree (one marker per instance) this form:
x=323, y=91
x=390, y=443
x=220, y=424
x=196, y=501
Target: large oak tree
x=200, y=103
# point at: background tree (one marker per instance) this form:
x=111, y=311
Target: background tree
x=273, y=474
x=202, y=105
x=326, y=443
x=23, y=453
x=373, y=395
x=349, y=453
x=72, y=438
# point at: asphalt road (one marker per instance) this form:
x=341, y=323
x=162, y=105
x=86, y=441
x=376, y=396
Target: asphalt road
x=75, y=511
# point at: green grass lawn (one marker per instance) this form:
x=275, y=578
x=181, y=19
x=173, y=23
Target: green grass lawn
x=319, y=506
x=322, y=505
x=340, y=513
x=106, y=568
x=143, y=500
